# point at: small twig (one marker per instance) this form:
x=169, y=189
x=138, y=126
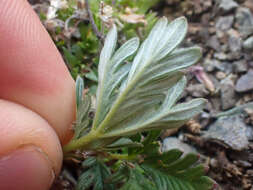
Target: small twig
x=93, y=24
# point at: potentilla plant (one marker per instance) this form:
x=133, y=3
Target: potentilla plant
x=138, y=88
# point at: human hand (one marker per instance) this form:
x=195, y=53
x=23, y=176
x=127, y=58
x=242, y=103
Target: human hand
x=37, y=101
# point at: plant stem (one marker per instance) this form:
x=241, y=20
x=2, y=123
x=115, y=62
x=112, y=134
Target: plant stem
x=81, y=143
x=92, y=22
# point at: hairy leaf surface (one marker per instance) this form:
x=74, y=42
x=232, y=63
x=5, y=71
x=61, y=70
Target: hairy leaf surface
x=141, y=95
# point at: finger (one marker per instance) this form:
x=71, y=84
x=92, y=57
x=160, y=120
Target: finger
x=32, y=71
x=30, y=152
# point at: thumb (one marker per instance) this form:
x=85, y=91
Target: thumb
x=30, y=151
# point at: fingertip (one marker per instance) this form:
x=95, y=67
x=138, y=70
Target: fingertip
x=21, y=127
x=32, y=71
x=26, y=169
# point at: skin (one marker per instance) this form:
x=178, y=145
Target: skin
x=37, y=101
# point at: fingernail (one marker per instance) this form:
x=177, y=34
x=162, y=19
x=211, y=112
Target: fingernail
x=26, y=169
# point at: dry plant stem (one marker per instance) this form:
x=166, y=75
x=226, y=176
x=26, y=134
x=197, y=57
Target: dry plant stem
x=93, y=24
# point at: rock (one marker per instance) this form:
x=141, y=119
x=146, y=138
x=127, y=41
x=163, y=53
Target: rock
x=214, y=43
x=220, y=75
x=227, y=5
x=224, y=23
x=234, y=43
x=243, y=163
x=209, y=65
x=222, y=36
x=244, y=21
x=221, y=56
x=224, y=66
x=197, y=90
x=173, y=142
x=249, y=133
x=240, y=66
x=245, y=82
x=229, y=131
x=236, y=55
x=248, y=43
x=227, y=93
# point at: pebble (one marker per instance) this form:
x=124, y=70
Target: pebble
x=227, y=94
x=224, y=66
x=214, y=43
x=209, y=64
x=230, y=131
x=227, y=5
x=232, y=56
x=224, y=23
x=221, y=56
x=174, y=143
x=197, y=90
x=240, y=66
x=244, y=21
x=234, y=43
x=245, y=82
x=248, y=43
x=220, y=75
x=249, y=133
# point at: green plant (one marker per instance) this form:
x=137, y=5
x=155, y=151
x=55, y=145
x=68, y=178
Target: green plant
x=80, y=52
x=138, y=88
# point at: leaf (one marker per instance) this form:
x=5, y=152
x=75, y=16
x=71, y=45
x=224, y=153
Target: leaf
x=179, y=175
x=112, y=70
x=123, y=143
x=88, y=162
x=79, y=90
x=85, y=180
x=120, y=175
x=167, y=157
x=81, y=126
x=170, y=171
x=92, y=76
x=146, y=97
x=137, y=181
x=183, y=163
x=70, y=58
x=95, y=176
x=165, y=181
x=235, y=110
x=141, y=95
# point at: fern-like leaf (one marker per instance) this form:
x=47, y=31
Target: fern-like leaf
x=167, y=171
x=163, y=180
x=95, y=175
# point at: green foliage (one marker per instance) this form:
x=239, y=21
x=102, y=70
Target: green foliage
x=138, y=88
x=152, y=83
x=79, y=91
x=153, y=170
x=95, y=175
x=167, y=170
x=141, y=95
x=81, y=52
x=138, y=181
